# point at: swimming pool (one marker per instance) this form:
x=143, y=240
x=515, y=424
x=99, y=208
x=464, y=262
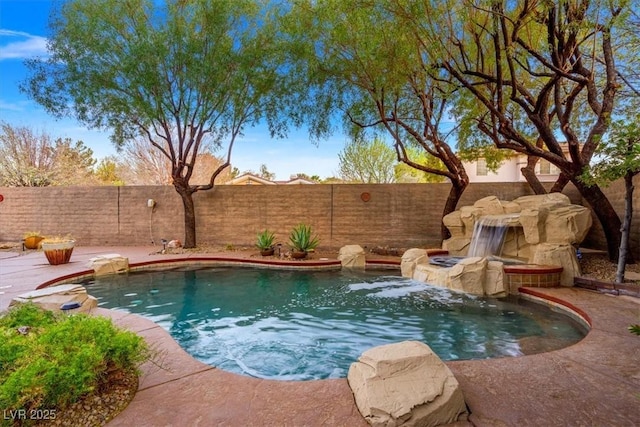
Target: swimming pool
x=303, y=325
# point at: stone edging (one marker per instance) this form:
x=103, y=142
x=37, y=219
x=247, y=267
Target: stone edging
x=568, y=308
x=310, y=265
x=607, y=287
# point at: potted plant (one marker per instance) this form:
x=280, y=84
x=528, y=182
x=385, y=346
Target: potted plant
x=58, y=249
x=301, y=241
x=32, y=239
x=265, y=242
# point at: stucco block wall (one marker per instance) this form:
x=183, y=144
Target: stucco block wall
x=400, y=215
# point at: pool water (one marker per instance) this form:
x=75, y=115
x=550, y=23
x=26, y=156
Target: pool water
x=302, y=325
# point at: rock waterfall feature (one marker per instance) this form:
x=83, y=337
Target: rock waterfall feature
x=540, y=229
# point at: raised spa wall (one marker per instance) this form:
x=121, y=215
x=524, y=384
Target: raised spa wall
x=543, y=233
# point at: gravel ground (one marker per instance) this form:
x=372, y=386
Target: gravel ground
x=99, y=407
x=598, y=266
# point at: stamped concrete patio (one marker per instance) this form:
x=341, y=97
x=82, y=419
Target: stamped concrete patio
x=595, y=382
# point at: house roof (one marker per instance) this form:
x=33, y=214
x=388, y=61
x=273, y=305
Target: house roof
x=249, y=179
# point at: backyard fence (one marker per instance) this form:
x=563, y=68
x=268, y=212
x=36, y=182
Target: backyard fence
x=393, y=215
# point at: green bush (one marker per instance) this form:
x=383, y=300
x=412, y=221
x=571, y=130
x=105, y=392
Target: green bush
x=301, y=240
x=60, y=358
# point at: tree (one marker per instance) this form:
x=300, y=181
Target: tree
x=175, y=73
x=363, y=62
x=264, y=173
x=302, y=175
x=28, y=159
x=407, y=174
x=537, y=77
x=367, y=162
x=619, y=159
x=142, y=165
x=109, y=172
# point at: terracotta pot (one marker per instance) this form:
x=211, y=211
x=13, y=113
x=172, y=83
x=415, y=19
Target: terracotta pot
x=267, y=252
x=298, y=254
x=32, y=242
x=59, y=252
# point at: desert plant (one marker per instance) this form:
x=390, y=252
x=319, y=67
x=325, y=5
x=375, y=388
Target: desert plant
x=49, y=361
x=634, y=329
x=265, y=240
x=301, y=240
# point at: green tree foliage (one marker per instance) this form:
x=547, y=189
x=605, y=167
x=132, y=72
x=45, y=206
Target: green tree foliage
x=619, y=158
x=366, y=65
x=535, y=77
x=108, y=172
x=28, y=159
x=264, y=173
x=370, y=162
x=175, y=73
x=407, y=174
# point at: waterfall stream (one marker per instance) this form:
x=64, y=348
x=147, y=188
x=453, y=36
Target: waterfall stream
x=488, y=235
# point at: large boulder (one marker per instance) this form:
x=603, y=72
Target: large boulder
x=405, y=384
x=468, y=275
x=432, y=274
x=457, y=245
x=559, y=254
x=490, y=205
x=53, y=297
x=568, y=224
x=550, y=200
x=454, y=224
x=494, y=284
x=109, y=264
x=352, y=256
x=410, y=259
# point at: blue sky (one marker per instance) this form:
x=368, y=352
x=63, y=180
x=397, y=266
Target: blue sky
x=23, y=32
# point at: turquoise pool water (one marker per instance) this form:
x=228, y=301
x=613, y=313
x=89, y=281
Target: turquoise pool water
x=296, y=325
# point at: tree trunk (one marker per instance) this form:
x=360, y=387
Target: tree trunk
x=457, y=188
x=607, y=216
x=626, y=226
x=189, y=215
x=560, y=183
x=529, y=173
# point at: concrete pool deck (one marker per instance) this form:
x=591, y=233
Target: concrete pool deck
x=595, y=382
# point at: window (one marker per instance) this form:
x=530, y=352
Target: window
x=547, y=168
x=481, y=167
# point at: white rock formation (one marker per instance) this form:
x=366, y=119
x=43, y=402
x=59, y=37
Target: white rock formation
x=410, y=259
x=352, y=256
x=405, y=384
x=109, y=264
x=544, y=232
x=53, y=297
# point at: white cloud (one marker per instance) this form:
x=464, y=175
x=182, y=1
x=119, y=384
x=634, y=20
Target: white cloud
x=13, y=106
x=28, y=46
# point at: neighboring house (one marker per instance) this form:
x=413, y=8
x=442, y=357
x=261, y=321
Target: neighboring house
x=509, y=170
x=250, y=179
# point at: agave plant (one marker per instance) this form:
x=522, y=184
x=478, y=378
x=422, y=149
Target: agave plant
x=265, y=240
x=301, y=239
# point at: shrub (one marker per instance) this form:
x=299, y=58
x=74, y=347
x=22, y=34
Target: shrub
x=301, y=240
x=60, y=358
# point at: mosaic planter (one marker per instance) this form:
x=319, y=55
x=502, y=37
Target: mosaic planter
x=58, y=252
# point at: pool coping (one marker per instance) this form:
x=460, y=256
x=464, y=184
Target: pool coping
x=594, y=382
